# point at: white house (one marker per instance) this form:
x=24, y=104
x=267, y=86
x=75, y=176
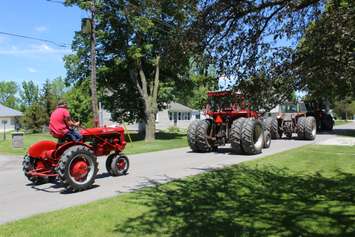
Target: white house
x=175, y=115
x=8, y=118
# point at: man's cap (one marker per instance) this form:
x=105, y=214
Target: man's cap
x=61, y=103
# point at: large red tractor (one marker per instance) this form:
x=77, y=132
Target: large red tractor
x=289, y=118
x=75, y=163
x=230, y=119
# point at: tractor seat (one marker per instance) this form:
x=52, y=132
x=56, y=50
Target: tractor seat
x=61, y=138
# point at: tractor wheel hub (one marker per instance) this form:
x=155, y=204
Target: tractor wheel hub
x=79, y=169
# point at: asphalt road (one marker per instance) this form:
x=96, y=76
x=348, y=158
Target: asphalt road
x=19, y=199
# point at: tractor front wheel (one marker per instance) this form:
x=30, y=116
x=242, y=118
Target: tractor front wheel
x=119, y=165
x=77, y=168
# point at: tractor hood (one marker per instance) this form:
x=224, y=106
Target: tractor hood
x=101, y=131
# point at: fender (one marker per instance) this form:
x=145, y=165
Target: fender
x=60, y=150
x=42, y=149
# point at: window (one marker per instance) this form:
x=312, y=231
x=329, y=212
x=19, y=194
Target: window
x=170, y=116
x=197, y=116
x=188, y=116
x=179, y=116
x=12, y=121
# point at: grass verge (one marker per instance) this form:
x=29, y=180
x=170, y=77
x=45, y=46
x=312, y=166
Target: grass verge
x=341, y=122
x=163, y=141
x=307, y=191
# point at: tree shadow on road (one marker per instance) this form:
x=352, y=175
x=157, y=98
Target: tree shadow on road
x=245, y=201
x=344, y=132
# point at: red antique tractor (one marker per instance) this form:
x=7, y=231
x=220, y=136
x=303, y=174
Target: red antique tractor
x=230, y=119
x=75, y=163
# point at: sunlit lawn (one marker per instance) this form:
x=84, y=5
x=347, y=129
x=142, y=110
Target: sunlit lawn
x=164, y=141
x=307, y=191
x=341, y=122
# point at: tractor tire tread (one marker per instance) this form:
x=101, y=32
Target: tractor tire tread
x=61, y=170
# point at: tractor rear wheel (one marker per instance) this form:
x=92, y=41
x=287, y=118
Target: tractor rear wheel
x=191, y=135
x=235, y=135
x=198, y=136
x=77, y=168
x=273, y=125
x=252, y=137
x=301, y=124
x=267, y=138
x=119, y=165
x=327, y=122
x=29, y=164
x=310, y=130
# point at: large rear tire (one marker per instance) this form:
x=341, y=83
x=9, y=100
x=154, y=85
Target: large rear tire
x=327, y=123
x=77, y=168
x=267, y=138
x=310, y=128
x=301, y=124
x=252, y=137
x=198, y=136
x=191, y=135
x=29, y=164
x=273, y=125
x=235, y=135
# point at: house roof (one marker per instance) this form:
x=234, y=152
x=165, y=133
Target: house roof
x=176, y=107
x=8, y=112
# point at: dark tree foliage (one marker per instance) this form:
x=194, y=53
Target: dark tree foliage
x=325, y=58
x=248, y=40
x=140, y=44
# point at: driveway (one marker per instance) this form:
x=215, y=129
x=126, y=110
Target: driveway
x=19, y=199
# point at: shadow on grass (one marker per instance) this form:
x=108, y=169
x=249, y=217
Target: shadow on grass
x=159, y=136
x=243, y=201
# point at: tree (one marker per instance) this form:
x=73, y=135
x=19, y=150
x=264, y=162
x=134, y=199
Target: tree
x=344, y=109
x=141, y=44
x=47, y=100
x=247, y=39
x=325, y=56
x=8, y=90
x=29, y=94
x=79, y=103
x=34, y=113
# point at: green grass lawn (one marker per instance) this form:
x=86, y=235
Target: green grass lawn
x=163, y=141
x=341, y=122
x=307, y=191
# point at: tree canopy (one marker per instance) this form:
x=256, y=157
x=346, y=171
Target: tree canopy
x=325, y=57
x=140, y=44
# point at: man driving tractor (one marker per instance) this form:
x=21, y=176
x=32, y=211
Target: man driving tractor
x=61, y=125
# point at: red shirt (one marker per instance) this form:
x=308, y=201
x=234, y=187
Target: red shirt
x=57, y=124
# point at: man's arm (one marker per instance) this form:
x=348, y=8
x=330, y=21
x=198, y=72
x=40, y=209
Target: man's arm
x=70, y=122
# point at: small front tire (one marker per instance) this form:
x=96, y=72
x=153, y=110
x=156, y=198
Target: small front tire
x=119, y=165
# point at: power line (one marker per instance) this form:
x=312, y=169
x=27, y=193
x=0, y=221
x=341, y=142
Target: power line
x=62, y=45
x=55, y=1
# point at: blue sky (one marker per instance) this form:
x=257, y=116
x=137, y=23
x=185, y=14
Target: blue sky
x=23, y=59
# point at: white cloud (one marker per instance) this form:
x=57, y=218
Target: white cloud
x=31, y=69
x=41, y=28
x=32, y=50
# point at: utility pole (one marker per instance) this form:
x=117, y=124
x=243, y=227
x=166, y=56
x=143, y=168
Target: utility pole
x=93, y=64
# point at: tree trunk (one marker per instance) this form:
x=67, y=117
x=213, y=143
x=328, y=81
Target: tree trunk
x=93, y=66
x=150, y=127
x=149, y=94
